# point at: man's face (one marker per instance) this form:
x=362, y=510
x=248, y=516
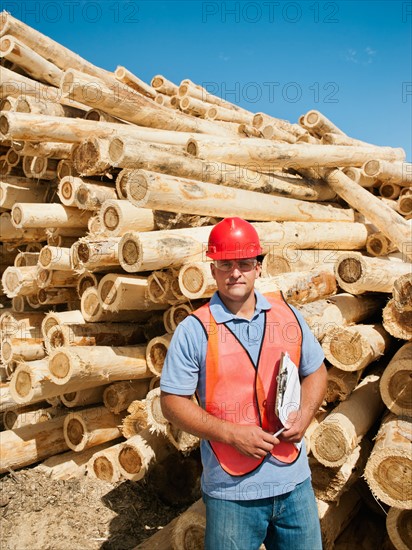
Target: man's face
x=235, y=279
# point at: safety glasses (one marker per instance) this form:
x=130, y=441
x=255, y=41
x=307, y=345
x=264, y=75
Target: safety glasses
x=242, y=265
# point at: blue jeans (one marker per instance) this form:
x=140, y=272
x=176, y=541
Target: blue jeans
x=285, y=522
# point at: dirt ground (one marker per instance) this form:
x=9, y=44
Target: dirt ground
x=39, y=513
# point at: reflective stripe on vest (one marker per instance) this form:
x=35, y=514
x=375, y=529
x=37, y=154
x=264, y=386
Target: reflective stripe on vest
x=238, y=392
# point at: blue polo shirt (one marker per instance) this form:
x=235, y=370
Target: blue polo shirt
x=184, y=374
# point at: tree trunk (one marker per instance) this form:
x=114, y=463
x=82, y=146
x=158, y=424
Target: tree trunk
x=164, y=86
x=93, y=254
x=126, y=104
x=53, y=257
x=94, y=313
x=196, y=281
x=396, y=382
x=21, y=281
x=357, y=274
x=190, y=196
x=402, y=292
x=91, y=366
x=28, y=59
x=83, y=398
x=21, y=190
x=389, y=468
x=118, y=396
x=90, y=427
x=137, y=155
x=31, y=383
x=156, y=353
x=399, y=173
x=139, y=453
x=159, y=289
x=32, y=215
x=29, y=444
x=335, y=516
x=126, y=292
x=359, y=177
x=46, y=47
x=340, y=310
x=189, y=529
x=319, y=125
x=69, y=465
x=128, y=78
x=267, y=155
x=17, y=349
x=175, y=315
x=379, y=245
x=389, y=222
x=341, y=384
x=300, y=288
x=398, y=524
x=119, y=216
x=289, y=259
x=397, y=323
x=353, y=348
x=54, y=318
x=341, y=431
x=11, y=234
x=330, y=483
x=103, y=464
x=94, y=334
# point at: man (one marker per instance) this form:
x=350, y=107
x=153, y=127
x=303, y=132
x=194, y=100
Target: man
x=256, y=485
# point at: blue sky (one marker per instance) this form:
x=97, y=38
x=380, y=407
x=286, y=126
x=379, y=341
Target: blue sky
x=349, y=59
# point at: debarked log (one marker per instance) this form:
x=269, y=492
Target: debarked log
x=396, y=382
x=174, y=194
x=342, y=430
x=389, y=468
x=30, y=444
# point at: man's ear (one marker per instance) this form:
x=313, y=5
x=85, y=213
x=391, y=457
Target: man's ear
x=212, y=270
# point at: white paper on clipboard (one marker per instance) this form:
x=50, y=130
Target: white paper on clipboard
x=288, y=388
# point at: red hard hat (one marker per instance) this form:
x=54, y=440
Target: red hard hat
x=233, y=239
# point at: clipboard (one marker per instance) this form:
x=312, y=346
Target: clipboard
x=288, y=389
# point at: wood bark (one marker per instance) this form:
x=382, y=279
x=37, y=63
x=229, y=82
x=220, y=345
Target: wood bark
x=396, y=382
x=357, y=274
x=191, y=196
x=90, y=427
x=390, y=223
x=389, y=468
x=341, y=431
x=30, y=444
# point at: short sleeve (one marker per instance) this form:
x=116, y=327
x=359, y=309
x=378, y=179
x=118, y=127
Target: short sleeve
x=312, y=352
x=180, y=373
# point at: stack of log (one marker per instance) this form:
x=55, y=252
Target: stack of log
x=109, y=189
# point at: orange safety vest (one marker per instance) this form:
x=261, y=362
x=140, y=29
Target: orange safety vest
x=238, y=392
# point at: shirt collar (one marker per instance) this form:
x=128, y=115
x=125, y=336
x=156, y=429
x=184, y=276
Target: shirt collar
x=222, y=315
